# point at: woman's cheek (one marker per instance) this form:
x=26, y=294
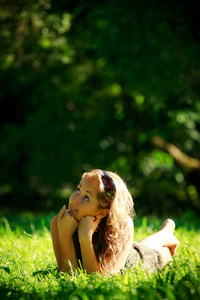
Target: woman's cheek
x=73, y=196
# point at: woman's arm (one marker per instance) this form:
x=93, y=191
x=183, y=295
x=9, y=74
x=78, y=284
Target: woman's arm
x=62, y=229
x=55, y=241
x=69, y=260
x=66, y=227
x=87, y=227
x=89, y=260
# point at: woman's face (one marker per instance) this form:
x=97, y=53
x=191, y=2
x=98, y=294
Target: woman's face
x=83, y=201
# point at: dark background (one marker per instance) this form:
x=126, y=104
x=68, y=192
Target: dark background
x=100, y=84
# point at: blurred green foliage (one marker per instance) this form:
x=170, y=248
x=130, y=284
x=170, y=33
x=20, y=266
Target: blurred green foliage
x=87, y=85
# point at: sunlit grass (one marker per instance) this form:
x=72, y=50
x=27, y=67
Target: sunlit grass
x=28, y=267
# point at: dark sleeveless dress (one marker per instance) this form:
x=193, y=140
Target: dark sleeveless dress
x=150, y=259
x=77, y=247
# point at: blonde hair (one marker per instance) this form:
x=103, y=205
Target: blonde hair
x=114, y=230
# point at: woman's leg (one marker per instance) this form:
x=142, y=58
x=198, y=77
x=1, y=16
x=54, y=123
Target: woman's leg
x=163, y=238
x=55, y=240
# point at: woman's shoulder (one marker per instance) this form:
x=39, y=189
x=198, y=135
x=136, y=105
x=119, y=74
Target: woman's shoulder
x=130, y=227
x=130, y=223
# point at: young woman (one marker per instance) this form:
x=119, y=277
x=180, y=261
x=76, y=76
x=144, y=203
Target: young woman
x=97, y=229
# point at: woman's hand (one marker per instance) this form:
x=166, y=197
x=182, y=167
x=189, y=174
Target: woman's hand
x=87, y=227
x=67, y=225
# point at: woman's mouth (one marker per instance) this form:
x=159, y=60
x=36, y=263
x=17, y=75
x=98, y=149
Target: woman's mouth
x=72, y=209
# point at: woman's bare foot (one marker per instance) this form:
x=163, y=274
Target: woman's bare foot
x=169, y=224
x=172, y=242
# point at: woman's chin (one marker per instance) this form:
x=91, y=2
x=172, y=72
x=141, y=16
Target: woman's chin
x=70, y=212
x=73, y=214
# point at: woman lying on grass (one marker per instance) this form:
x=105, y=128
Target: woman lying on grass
x=97, y=229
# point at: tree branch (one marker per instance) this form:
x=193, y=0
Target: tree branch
x=181, y=158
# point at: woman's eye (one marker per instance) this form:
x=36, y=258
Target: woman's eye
x=78, y=190
x=86, y=198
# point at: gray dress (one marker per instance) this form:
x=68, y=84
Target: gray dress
x=149, y=259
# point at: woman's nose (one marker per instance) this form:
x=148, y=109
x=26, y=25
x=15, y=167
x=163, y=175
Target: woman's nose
x=75, y=200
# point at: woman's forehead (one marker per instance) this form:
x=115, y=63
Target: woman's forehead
x=89, y=183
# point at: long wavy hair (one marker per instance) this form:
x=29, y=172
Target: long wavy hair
x=113, y=231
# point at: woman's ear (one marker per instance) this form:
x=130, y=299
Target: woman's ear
x=102, y=213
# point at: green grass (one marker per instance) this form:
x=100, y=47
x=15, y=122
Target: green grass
x=28, y=267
